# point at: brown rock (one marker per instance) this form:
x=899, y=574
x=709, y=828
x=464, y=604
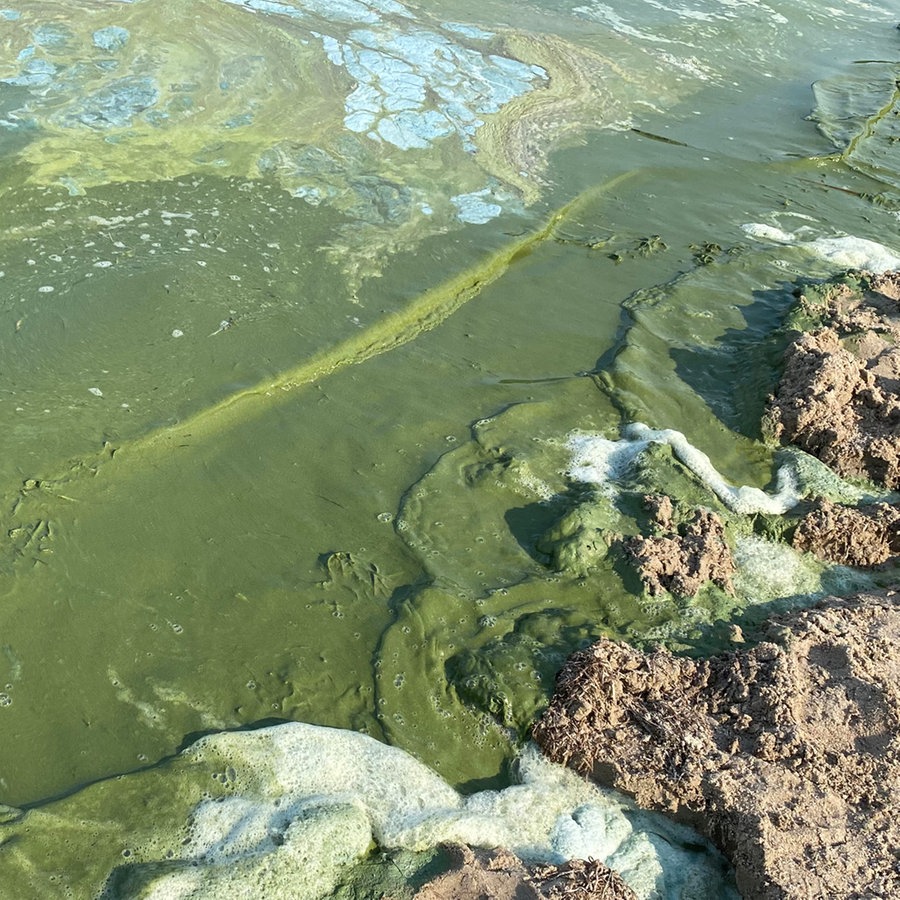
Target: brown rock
x=786, y=755
x=684, y=559
x=852, y=536
x=839, y=396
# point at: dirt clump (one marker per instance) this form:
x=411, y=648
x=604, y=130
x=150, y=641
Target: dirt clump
x=786, y=755
x=474, y=874
x=500, y=875
x=852, y=536
x=839, y=396
x=581, y=879
x=682, y=558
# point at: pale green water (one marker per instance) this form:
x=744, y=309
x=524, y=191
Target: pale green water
x=394, y=384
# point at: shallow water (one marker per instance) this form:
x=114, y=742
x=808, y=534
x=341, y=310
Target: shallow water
x=301, y=302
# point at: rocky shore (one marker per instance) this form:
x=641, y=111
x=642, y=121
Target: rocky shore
x=785, y=752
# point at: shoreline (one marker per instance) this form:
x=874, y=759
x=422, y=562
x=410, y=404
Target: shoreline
x=785, y=754
x=782, y=751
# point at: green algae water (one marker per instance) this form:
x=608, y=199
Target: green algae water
x=304, y=310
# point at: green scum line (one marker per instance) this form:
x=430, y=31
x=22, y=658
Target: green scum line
x=871, y=123
x=426, y=312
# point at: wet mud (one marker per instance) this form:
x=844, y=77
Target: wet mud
x=785, y=755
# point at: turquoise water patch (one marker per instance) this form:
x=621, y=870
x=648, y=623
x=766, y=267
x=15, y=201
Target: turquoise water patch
x=477, y=208
x=353, y=11
x=111, y=38
x=396, y=71
x=52, y=37
x=115, y=105
x=35, y=72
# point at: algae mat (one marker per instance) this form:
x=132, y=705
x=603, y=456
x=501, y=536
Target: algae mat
x=302, y=305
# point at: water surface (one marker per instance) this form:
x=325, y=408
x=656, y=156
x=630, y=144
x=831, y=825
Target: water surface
x=301, y=302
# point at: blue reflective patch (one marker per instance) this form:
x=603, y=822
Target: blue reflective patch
x=115, y=105
x=52, y=36
x=111, y=38
x=474, y=208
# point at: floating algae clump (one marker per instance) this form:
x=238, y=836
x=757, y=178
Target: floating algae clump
x=289, y=810
x=409, y=126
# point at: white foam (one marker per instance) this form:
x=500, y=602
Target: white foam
x=855, y=253
x=308, y=801
x=846, y=252
x=769, y=570
x=768, y=232
x=597, y=460
x=305, y=857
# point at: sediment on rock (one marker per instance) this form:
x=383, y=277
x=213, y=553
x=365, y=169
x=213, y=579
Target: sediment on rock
x=682, y=558
x=839, y=396
x=500, y=875
x=853, y=536
x=787, y=755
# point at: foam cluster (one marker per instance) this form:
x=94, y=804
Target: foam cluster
x=842, y=252
x=308, y=802
x=597, y=460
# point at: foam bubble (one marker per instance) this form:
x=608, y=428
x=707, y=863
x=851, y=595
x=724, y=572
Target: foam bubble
x=597, y=460
x=308, y=801
x=845, y=251
x=818, y=480
x=768, y=233
x=767, y=570
x=855, y=253
x=305, y=857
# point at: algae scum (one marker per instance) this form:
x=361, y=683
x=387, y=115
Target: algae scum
x=338, y=342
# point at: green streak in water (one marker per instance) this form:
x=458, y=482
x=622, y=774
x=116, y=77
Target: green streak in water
x=394, y=330
x=871, y=122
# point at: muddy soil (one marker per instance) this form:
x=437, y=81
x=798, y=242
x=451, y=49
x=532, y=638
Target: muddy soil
x=786, y=755
x=499, y=875
x=863, y=536
x=681, y=559
x=839, y=397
